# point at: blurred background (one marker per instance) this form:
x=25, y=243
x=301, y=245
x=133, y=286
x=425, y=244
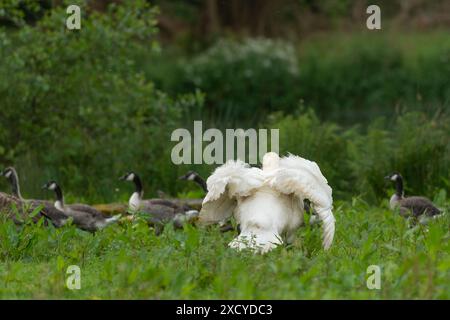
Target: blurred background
x=84, y=106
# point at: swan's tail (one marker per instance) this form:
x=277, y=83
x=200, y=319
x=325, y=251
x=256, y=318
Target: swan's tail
x=328, y=226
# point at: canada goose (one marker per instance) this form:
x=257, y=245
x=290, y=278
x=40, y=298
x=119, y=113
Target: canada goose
x=268, y=202
x=11, y=174
x=85, y=217
x=410, y=206
x=7, y=204
x=29, y=205
x=158, y=211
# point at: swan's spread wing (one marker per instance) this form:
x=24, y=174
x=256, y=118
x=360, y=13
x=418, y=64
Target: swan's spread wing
x=228, y=182
x=304, y=179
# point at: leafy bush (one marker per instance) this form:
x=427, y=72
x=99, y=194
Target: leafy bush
x=344, y=80
x=356, y=162
x=360, y=79
x=323, y=142
x=74, y=104
x=415, y=145
x=244, y=80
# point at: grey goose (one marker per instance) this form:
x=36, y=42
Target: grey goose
x=157, y=211
x=84, y=217
x=414, y=206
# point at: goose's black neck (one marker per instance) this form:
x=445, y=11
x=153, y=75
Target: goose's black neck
x=399, y=186
x=14, y=179
x=138, y=183
x=199, y=180
x=59, y=195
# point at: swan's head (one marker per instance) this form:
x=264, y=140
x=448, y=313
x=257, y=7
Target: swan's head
x=270, y=161
x=393, y=176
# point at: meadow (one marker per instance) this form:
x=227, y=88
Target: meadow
x=129, y=262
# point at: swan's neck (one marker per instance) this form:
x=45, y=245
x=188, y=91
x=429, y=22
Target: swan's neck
x=14, y=179
x=199, y=180
x=271, y=161
x=59, y=203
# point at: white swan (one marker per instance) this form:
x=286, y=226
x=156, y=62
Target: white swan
x=268, y=203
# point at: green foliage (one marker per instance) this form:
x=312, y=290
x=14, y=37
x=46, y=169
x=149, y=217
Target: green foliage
x=243, y=80
x=129, y=262
x=355, y=162
x=416, y=146
x=345, y=79
x=367, y=76
x=325, y=143
x=74, y=104
x=16, y=12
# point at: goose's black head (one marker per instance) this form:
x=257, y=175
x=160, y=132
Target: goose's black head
x=190, y=175
x=133, y=177
x=129, y=176
x=8, y=172
x=394, y=176
x=51, y=185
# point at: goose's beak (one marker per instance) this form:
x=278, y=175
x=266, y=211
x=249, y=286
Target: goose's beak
x=45, y=186
x=183, y=177
x=387, y=177
x=122, y=178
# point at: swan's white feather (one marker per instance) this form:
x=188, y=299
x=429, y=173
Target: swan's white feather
x=303, y=178
x=228, y=182
x=237, y=176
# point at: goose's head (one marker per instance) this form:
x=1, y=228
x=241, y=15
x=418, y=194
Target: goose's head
x=129, y=176
x=51, y=185
x=8, y=172
x=393, y=176
x=270, y=161
x=190, y=175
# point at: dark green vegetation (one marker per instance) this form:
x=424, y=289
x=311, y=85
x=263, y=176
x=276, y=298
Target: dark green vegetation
x=83, y=107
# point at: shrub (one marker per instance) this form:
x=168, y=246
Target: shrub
x=356, y=162
x=73, y=103
x=416, y=145
x=244, y=80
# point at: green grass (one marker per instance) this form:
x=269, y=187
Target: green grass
x=129, y=262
